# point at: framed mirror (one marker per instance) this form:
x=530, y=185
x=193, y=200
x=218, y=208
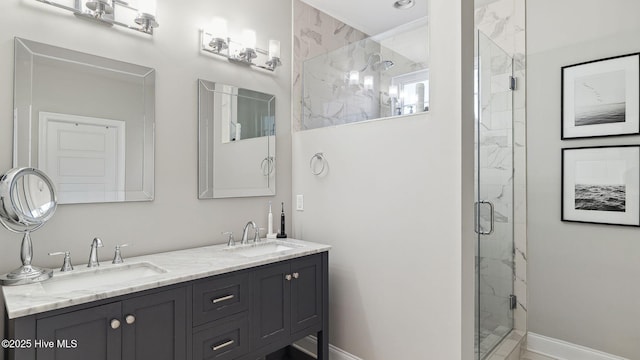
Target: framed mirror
x=86, y=121
x=236, y=142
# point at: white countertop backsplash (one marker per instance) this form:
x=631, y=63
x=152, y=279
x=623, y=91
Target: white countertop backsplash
x=181, y=266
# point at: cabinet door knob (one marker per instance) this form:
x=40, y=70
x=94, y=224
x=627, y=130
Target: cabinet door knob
x=130, y=319
x=288, y=277
x=115, y=323
x=296, y=275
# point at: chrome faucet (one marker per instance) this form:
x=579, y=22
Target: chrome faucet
x=245, y=233
x=93, y=255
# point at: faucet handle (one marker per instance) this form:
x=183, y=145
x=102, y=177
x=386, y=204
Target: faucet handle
x=230, y=241
x=97, y=242
x=117, y=257
x=66, y=263
x=257, y=236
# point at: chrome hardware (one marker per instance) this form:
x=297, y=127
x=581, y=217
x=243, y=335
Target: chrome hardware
x=130, y=319
x=288, y=277
x=231, y=241
x=93, y=255
x=268, y=169
x=117, y=257
x=513, y=302
x=115, y=323
x=245, y=232
x=221, y=299
x=222, y=346
x=491, y=217
x=256, y=238
x=66, y=263
x=296, y=275
x=323, y=161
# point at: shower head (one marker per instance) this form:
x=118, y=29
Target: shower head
x=380, y=65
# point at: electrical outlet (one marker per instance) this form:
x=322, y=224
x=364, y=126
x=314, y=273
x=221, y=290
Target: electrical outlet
x=300, y=202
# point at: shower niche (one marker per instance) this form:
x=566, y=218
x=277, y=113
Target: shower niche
x=377, y=77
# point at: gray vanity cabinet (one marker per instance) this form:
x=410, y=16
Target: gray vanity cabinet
x=151, y=326
x=89, y=329
x=288, y=300
x=158, y=326
x=242, y=315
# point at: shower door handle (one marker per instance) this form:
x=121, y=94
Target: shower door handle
x=477, y=217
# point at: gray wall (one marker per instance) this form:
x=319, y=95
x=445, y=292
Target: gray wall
x=176, y=218
x=583, y=279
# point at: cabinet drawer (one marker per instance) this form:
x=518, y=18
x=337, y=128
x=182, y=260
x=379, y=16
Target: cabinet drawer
x=226, y=339
x=220, y=297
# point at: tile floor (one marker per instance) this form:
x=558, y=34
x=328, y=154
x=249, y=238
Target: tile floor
x=527, y=355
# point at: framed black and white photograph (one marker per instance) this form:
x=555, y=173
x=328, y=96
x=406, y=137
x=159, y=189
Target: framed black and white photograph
x=601, y=185
x=601, y=98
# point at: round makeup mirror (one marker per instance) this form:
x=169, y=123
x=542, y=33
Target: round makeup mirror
x=27, y=201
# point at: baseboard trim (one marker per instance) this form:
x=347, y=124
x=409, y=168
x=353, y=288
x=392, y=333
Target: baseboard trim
x=564, y=350
x=309, y=345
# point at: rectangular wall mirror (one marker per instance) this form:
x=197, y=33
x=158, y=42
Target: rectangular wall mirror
x=86, y=121
x=236, y=140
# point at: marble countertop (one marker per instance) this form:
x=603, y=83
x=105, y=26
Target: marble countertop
x=176, y=266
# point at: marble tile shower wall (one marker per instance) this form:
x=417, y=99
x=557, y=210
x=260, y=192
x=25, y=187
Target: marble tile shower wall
x=503, y=22
x=328, y=99
x=314, y=33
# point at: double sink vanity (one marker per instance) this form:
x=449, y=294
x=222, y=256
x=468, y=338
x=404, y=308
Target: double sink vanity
x=215, y=302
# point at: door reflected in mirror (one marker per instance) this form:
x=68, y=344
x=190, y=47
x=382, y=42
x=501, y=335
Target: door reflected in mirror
x=86, y=121
x=236, y=156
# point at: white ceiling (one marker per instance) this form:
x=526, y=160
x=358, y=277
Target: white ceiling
x=370, y=16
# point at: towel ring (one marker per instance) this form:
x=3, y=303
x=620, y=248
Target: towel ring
x=317, y=156
x=268, y=169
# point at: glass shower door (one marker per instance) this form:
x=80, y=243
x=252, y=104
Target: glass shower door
x=494, y=195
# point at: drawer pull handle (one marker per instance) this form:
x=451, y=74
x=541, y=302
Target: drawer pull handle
x=224, y=298
x=296, y=275
x=115, y=323
x=222, y=346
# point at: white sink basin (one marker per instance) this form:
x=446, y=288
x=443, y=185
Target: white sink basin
x=262, y=248
x=109, y=275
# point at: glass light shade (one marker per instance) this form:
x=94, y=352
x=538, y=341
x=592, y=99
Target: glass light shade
x=354, y=77
x=274, y=49
x=218, y=28
x=249, y=39
x=368, y=82
x=148, y=7
x=393, y=91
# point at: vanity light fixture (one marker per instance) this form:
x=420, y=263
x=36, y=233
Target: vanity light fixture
x=113, y=12
x=147, y=10
x=216, y=40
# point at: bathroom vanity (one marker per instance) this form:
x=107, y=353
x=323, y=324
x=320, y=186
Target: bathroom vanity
x=214, y=302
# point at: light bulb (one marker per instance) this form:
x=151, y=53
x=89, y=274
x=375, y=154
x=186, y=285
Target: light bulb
x=218, y=28
x=368, y=82
x=393, y=91
x=249, y=39
x=148, y=7
x=354, y=77
x=274, y=49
